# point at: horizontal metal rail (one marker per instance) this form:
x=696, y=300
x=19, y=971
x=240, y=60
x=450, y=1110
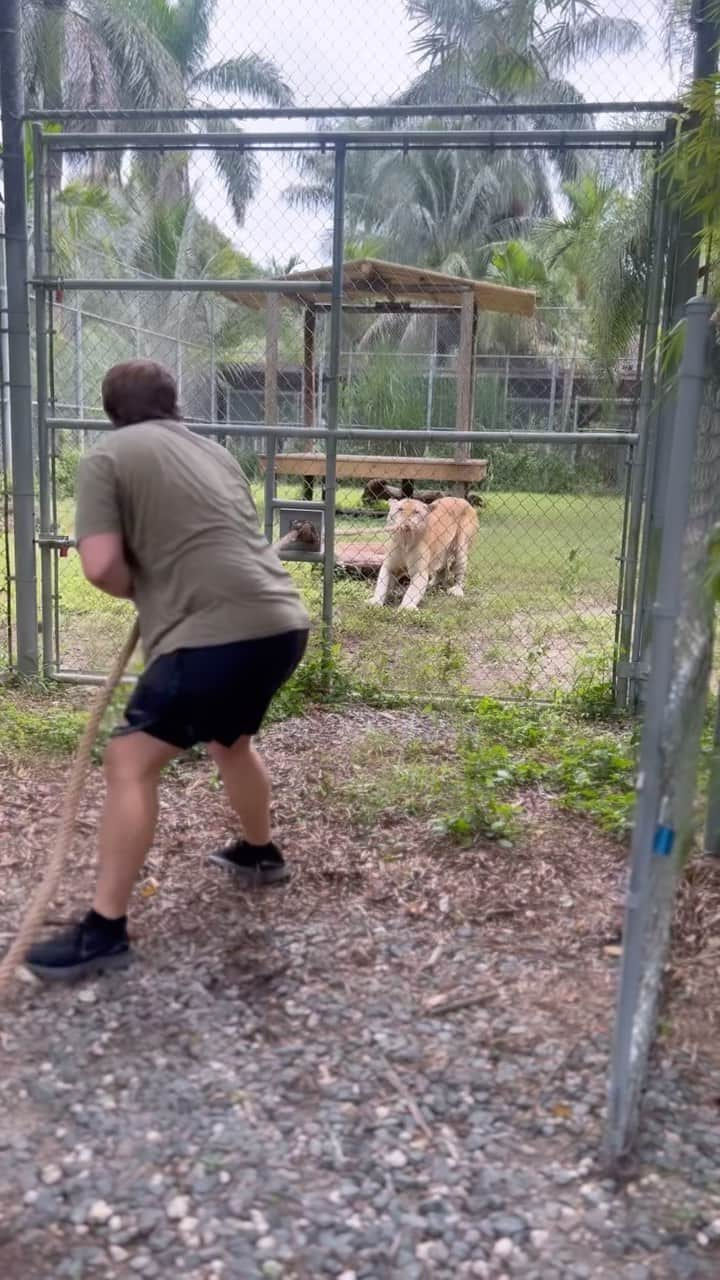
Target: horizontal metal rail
x=436, y=139
x=420, y=435
x=161, y=284
x=390, y=111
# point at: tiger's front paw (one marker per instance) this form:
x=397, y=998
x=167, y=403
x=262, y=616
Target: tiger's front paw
x=457, y=591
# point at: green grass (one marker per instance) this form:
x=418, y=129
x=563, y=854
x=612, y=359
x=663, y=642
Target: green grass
x=467, y=776
x=539, y=603
x=37, y=723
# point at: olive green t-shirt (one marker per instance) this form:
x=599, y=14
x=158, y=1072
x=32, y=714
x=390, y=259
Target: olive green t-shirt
x=203, y=574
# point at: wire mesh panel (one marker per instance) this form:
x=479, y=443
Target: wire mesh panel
x=316, y=54
x=681, y=661
x=448, y=388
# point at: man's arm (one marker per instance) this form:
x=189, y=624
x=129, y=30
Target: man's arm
x=98, y=526
x=103, y=562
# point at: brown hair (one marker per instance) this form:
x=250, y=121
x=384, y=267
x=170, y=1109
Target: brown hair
x=139, y=391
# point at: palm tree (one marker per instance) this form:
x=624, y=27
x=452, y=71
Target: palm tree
x=500, y=51
x=604, y=241
x=443, y=209
x=146, y=53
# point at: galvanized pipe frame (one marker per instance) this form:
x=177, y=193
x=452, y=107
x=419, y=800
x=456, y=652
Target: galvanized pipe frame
x=656, y=838
x=339, y=143
x=17, y=323
x=298, y=431
x=627, y=666
x=383, y=139
x=371, y=112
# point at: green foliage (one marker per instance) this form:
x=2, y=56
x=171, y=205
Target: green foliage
x=535, y=469
x=604, y=242
x=386, y=393
x=67, y=461
x=470, y=782
x=692, y=165
x=594, y=777
x=518, y=266
x=35, y=723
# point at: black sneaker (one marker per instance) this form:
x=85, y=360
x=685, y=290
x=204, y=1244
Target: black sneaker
x=255, y=867
x=79, y=952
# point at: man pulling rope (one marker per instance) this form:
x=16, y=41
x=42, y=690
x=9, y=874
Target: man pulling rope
x=166, y=519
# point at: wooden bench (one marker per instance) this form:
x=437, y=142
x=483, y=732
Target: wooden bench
x=357, y=466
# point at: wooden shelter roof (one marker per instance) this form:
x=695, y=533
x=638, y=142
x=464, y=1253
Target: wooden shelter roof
x=389, y=284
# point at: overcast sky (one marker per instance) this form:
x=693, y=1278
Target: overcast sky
x=358, y=52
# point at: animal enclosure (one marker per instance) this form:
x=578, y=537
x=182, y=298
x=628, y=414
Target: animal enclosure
x=365, y=371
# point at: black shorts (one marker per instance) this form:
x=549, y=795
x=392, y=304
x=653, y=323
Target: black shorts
x=215, y=694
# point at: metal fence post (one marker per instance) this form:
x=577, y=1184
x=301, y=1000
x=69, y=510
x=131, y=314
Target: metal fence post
x=18, y=327
x=272, y=350
x=332, y=400
x=656, y=838
x=47, y=612
x=712, y=824
x=627, y=684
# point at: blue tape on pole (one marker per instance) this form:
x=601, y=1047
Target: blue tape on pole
x=664, y=841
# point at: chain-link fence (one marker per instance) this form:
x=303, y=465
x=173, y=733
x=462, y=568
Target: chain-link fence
x=442, y=386
x=681, y=647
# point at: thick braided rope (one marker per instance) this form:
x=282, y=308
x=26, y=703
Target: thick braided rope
x=35, y=913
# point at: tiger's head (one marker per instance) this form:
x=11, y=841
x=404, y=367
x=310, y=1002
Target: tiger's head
x=407, y=519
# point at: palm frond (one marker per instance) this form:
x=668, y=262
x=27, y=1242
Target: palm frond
x=566, y=44
x=240, y=174
x=249, y=76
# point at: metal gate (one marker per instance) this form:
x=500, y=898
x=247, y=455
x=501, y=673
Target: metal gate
x=556, y=459
x=682, y=616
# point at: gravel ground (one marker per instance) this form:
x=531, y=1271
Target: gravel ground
x=393, y=1068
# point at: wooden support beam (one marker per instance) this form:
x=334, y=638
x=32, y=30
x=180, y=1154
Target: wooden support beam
x=309, y=323
x=465, y=373
x=308, y=384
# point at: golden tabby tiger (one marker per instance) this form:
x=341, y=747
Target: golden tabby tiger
x=427, y=540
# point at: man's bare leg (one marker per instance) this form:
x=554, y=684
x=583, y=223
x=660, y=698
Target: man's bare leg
x=100, y=941
x=247, y=783
x=133, y=764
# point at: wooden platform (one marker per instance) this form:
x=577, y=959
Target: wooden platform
x=362, y=466
x=359, y=466
x=361, y=558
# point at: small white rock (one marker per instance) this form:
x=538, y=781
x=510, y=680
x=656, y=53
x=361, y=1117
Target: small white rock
x=27, y=976
x=115, y=1223
x=348, y=1275
x=224, y=1177
x=99, y=1212
x=187, y=1225
x=396, y=1159
x=503, y=1248
x=51, y=1174
x=539, y=1239
x=260, y=1222
x=714, y=1228
x=30, y=1197
x=702, y=1239
x=117, y=1253
x=178, y=1208
x=424, y=1250
x=88, y=995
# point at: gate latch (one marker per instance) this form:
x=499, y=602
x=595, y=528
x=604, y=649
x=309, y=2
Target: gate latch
x=57, y=542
